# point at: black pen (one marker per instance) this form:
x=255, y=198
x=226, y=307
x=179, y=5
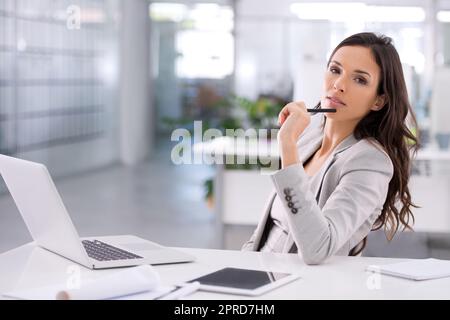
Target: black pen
x=321, y=110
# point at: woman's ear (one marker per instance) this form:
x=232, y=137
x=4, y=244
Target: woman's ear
x=380, y=102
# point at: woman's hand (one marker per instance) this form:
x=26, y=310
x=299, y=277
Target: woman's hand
x=293, y=118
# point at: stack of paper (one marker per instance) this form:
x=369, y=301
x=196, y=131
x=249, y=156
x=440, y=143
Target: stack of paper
x=140, y=282
x=422, y=269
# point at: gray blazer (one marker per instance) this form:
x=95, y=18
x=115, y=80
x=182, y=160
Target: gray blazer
x=340, y=213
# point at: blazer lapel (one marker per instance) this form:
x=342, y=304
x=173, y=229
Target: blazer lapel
x=309, y=144
x=343, y=145
x=263, y=222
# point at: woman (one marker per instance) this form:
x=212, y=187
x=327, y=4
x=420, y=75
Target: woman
x=350, y=176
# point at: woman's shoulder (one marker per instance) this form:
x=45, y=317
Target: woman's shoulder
x=371, y=146
x=368, y=152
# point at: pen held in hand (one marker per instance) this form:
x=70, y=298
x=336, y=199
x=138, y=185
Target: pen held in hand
x=315, y=111
x=322, y=110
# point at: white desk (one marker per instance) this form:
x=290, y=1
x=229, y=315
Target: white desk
x=340, y=278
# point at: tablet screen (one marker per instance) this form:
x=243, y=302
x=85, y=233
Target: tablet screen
x=240, y=278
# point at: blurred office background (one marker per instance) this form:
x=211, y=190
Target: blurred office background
x=94, y=88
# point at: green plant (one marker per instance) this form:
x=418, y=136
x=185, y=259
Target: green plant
x=258, y=114
x=209, y=187
x=262, y=112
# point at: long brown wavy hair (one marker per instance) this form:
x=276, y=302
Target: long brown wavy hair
x=389, y=127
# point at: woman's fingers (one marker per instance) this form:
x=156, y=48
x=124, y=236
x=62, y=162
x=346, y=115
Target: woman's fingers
x=291, y=108
x=299, y=106
x=282, y=116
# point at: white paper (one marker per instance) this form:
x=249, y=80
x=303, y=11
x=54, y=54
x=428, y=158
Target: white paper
x=143, y=282
x=421, y=269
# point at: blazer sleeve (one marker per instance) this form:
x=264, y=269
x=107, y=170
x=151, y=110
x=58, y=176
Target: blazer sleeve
x=361, y=192
x=250, y=244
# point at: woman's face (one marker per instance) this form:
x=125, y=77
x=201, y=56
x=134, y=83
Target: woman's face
x=351, y=83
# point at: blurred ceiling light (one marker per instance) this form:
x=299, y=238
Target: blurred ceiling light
x=443, y=16
x=342, y=11
x=352, y=11
x=395, y=14
x=211, y=16
x=160, y=11
x=207, y=8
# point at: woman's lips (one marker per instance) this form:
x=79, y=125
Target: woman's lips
x=335, y=102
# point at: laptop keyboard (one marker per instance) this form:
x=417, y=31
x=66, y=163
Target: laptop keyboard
x=101, y=251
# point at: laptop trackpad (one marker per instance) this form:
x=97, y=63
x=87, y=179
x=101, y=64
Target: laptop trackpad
x=141, y=246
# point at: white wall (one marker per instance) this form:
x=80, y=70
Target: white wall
x=135, y=102
x=167, y=86
x=309, y=57
x=431, y=194
x=439, y=106
x=261, y=62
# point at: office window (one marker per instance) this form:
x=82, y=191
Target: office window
x=193, y=58
x=54, y=89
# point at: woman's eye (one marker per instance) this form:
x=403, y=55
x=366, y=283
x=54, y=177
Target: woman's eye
x=361, y=80
x=334, y=70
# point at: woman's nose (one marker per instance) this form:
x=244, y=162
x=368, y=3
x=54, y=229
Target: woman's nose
x=339, y=85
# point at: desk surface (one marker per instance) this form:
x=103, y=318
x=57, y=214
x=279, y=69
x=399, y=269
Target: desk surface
x=29, y=266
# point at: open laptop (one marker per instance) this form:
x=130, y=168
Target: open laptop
x=49, y=223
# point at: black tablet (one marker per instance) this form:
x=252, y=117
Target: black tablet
x=243, y=281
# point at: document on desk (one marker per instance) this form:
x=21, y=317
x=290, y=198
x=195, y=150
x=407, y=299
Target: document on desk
x=420, y=269
x=141, y=282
